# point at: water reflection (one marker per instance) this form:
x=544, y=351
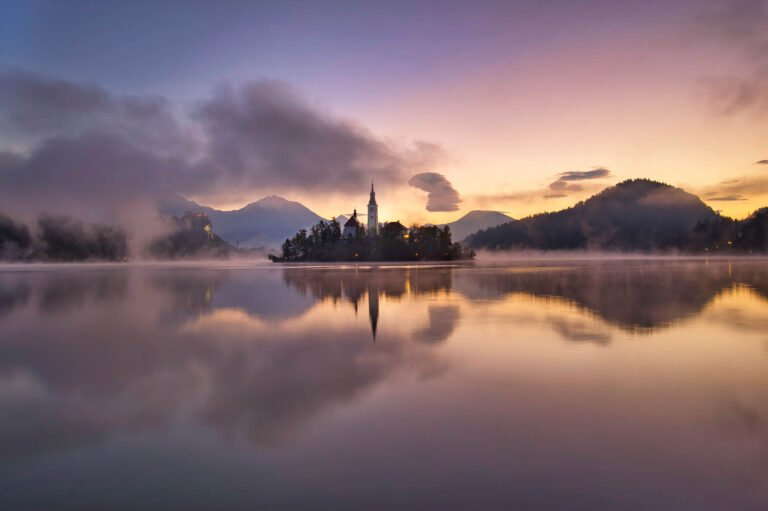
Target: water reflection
x=371, y=282
x=180, y=342
x=467, y=384
x=638, y=296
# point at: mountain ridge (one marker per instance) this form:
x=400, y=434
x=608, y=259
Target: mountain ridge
x=264, y=222
x=634, y=215
x=476, y=220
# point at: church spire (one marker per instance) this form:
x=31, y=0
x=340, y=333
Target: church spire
x=373, y=214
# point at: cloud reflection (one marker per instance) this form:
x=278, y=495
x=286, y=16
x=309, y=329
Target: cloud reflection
x=142, y=350
x=256, y=355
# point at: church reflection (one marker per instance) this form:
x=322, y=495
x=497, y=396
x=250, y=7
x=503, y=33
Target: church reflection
x=373, y=311
x=256, y=356
x=637, y=296
x=368, y=283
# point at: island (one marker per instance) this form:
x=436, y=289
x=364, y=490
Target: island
x=389, y=241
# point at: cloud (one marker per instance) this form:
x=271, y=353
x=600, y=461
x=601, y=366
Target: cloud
x=725, y=198
x=35, y=108
x=597, y=173
x=492, y=200
x=740, y=189
x=564, y=182
x=442, y=322
x=560, y=184
x=261, y=391
x=762, y=162
x=746, y=185
x=79, y=149
x=265, y=133
x=740, y=24
x=442, y=196
x=579, y=330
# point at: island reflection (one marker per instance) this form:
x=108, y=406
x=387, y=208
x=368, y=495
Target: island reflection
x=262, y=357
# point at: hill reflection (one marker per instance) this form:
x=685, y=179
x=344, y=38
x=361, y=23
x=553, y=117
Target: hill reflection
x=256, y=355
x=272, y=372
x=372, y=283
x=131, y=351
x=638, y=296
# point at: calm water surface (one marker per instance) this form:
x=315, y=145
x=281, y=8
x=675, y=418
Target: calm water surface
x=613, y=385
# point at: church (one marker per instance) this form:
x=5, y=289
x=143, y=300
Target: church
x=352, y=226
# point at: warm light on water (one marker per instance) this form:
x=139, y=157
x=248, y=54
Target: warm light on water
x=632, y=385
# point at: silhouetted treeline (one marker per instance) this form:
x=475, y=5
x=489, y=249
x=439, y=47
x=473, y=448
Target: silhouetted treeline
x=15, y=241
x=324, y=242
x=636, y=215
x=191, y=236
x=725, y=234
x=58, y=238
x=61, y=238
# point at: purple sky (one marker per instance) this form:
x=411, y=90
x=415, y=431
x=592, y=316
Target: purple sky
x=513, y=93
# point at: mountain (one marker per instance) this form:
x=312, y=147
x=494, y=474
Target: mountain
x=636, y=214
x=475, y=221
x=190, y=236
x=266, y=222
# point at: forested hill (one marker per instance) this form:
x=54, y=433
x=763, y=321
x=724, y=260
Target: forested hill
x=635, y=215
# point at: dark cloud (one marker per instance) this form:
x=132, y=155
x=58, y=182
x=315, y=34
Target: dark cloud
x=442, y=195
x=555, y=195
x=762, y=162
x=78, y=149
x=34, y=108
x=740, y=24
x=725, y=198
x=565, y=181
x=265, y=133
x=576, y=175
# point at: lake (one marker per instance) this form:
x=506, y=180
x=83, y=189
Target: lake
x=550, y=385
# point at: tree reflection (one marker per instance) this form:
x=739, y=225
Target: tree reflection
x=637, y=296
x=156, y=348
x=371, y=282
x=91, y=353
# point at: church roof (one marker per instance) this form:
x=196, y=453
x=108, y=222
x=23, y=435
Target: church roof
x=395, y=225
x=352, y=222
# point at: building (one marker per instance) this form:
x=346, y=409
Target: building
x=373, y=215
x=352, y=226
x=198, y=223
x=394, y=230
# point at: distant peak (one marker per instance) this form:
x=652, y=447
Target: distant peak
x=272, y=198
x=642, y=182
x=270, y=201
x=484, y=212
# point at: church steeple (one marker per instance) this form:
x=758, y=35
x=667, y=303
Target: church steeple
x=373, y=215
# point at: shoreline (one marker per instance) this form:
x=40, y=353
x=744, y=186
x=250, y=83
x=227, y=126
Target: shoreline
x=483, y=259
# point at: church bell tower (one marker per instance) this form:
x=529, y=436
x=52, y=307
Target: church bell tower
x=373, y=215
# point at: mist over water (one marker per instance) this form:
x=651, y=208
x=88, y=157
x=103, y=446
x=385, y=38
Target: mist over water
x=528, y=384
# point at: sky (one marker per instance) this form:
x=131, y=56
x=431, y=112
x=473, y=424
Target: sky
x=514, y=106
